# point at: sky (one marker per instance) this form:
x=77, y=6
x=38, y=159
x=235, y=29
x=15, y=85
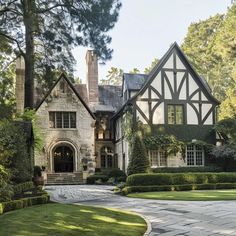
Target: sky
x=146, y=29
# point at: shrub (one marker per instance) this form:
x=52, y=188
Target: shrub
x=15, y=156
x=180, y=178
x=22, y=203
x=184, y=187
x=93, y=178
x=187, y=169
x=138, y=162
x=6, y=191
x=37, y=171
x=20, y=188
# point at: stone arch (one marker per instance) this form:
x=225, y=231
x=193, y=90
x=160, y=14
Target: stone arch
x=63, y=143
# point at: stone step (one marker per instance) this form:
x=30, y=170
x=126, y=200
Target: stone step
x=64, y=178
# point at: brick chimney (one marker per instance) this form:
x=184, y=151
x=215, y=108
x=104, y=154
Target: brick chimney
x=20, y=85
x=92, y=77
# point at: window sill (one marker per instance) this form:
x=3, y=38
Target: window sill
x=63, y=129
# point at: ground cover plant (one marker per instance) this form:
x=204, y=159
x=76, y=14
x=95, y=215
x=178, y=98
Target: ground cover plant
x=63, y=220
x=203, y=195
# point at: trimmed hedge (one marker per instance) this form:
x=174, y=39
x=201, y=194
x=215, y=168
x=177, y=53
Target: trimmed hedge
x=184, y=187
x=22, y=203
x=186, y=169
x=179, y=179
x=20, y=188
x=93, y=178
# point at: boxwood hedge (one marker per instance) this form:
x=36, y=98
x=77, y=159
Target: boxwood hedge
x=179, y=179
x=22, y=203
x=184, y=187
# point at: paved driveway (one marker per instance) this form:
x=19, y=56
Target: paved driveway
x=167, y=218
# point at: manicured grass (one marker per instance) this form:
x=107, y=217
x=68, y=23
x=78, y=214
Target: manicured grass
x=62, y=220
x=203, y=195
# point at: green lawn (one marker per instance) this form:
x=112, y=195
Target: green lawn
x=62, y=220
x=203, y=195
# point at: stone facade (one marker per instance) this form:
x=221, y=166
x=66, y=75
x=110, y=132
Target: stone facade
x=79, y=139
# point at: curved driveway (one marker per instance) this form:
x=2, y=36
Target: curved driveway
x=167, y=218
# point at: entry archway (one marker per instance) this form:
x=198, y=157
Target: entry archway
x=63, y=158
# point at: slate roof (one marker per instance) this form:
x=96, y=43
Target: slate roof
x=109, y=96
x=82, y=91
x=134, y=81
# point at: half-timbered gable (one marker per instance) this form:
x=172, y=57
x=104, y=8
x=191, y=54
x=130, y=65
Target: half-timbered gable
x=175, y=94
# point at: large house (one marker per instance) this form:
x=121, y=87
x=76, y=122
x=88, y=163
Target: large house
x=82, y=128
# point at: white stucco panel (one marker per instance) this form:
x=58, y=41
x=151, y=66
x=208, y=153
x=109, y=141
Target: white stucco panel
x=203, y=97
x=179, y=63
x=195, y=97
x=140, y=118
x=205, y=109
x=156, y=83
x=154, y=95
x=167, y=91
x=170, y=62
x=191, y=116
x=145, y=94
x=179, y=78
x=192, y=85
x=209, y=120
x=143, y=107
x=158, y=115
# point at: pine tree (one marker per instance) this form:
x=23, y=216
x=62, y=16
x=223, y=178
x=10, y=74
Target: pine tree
x=139, y=162
x=44, y=32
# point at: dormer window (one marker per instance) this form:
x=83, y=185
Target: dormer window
x=64, y=120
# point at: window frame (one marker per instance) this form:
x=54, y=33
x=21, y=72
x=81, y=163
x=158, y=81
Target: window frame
x=158, y=153
x=194, y=153
x=175, y=106
x=54, y=119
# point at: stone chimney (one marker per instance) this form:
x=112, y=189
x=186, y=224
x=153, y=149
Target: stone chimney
x=92, y=77
x=20, y=85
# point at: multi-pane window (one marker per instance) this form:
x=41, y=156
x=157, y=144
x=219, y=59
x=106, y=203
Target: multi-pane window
x=158, y=158
x=62, y=119
x=175, y=114
x=195, y=155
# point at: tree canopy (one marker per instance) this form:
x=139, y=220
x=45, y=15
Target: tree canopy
x=211, y=47
x=44, y=32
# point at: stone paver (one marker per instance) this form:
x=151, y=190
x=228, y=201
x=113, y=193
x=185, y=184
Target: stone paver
x=167, y=218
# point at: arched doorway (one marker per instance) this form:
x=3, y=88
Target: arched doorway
x=63, y=157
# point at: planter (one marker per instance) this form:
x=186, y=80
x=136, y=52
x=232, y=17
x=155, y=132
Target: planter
x=38, y=180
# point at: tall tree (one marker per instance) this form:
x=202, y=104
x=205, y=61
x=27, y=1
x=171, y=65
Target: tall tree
x=44, y=31
x=138, y=162
x=147, y=70
x=114, y=77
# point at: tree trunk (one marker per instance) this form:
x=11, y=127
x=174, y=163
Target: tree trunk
x=29, y=22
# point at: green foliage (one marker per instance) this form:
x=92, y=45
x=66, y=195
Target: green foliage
x=46, y=48
x=7, y=78
x=166, y=142
x=183, y=187
x=37, y=171
x=6, y=191
x=30, y=115
x=147, y=70
x=20, y=188
x=138, y=162
x=93, y=178
x=13, y=151
x=114, y=77
x=227, y=128
x=25, y=202
x=187, y=169
x=179, y=178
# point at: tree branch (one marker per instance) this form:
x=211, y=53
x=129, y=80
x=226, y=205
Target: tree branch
x=14, y=40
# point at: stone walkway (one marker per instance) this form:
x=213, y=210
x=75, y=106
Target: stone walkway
x=167, y=218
